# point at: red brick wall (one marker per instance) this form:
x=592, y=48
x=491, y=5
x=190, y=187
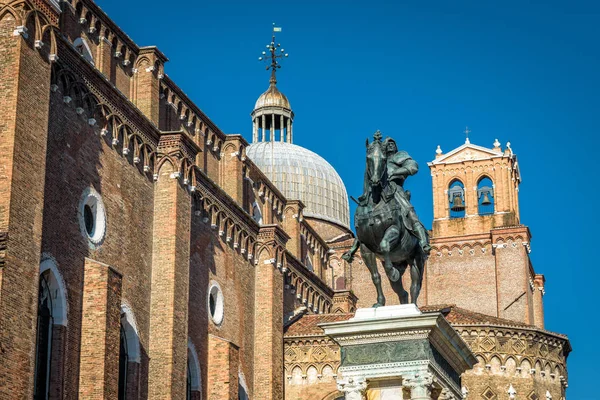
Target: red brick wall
x=25, y=84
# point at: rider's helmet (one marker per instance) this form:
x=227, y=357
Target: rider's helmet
x=390, y=146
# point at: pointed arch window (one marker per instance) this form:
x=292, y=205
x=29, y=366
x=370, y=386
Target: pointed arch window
x=485, y=196
x=456, y=198
x=45, y=321
x=123, y=361
x=257, y=213
x=50, y=331
x=194, y=380
x=84, y=49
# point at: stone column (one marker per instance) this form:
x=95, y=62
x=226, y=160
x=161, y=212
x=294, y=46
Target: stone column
x=264, y=127
x=272, y=131
x=353, y=388
x=419, y=385
x=281, y=135
x=290, y=137
x=254, y=130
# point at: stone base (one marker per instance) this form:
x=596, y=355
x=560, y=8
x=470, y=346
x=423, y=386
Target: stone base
x=399, y=352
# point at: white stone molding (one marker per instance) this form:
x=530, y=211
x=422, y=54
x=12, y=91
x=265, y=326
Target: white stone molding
x=420, y=385
x=354, y=388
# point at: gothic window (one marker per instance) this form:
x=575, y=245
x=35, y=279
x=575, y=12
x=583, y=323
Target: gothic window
x=309, y=264
x=256, y=213
x=84, y=49
x=51, y=328
x=123, y=361
x=194, y=387
x=485, y=196
x=456, y=198
x=45, y=321
x=129, y=354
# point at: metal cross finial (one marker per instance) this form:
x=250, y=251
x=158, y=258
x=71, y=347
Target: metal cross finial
x=272, y=58
x=466, y=132
x=377, y=136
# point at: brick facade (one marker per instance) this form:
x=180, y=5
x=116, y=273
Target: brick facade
x=86, y=110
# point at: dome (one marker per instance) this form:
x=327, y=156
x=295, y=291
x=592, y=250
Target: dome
x=272, y=98
x=303, y=175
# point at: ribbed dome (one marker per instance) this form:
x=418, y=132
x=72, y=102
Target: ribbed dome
x=272, y=97
x=303, y=175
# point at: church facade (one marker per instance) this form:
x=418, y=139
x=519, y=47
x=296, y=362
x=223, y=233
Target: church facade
x=144, y=253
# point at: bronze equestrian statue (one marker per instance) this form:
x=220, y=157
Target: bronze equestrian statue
x=387, y=226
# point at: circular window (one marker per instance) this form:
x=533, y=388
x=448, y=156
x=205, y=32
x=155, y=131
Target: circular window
x=92, y=217
x=215, y=303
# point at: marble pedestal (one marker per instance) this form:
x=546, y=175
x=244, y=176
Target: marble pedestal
x=397, y=352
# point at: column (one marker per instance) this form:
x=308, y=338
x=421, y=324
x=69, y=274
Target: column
x=289, y=130
x=281, y=129
x=100, y=332
x=353, y=388
x=254, y=130
x=419, y=385
x=264, y=127
x=272, y=132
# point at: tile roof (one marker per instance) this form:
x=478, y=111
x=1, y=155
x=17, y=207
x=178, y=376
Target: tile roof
x=307, y=325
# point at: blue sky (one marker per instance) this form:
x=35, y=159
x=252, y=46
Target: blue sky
x=525, y=72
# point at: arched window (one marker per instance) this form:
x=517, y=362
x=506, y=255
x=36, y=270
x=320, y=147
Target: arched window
x=485, y=196
x=194, y=387
x=51, y=328
x=45, y=321
x=456, y=198
x=256, y=213
x=84, y=49
x=309, y=264
x=123, y=365
x=129, y=354
x=242, y=387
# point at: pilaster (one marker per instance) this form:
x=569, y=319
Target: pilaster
x=268, y=314
x=149, y=70
x=100, y=332
x=292, y=216
x=170, y=273
x=232, y=167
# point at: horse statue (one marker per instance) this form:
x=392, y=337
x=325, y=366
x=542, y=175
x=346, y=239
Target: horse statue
x=382, y=230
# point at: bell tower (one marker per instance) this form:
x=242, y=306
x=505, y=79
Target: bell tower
x=480, y=251
x=475, y=189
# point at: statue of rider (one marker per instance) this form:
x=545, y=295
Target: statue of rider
x=400, y=166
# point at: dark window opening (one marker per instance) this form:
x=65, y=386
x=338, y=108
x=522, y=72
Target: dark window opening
x=43, y=341
x=485, y=196
x=123, y=361
x=212, y=303
x=88, y=217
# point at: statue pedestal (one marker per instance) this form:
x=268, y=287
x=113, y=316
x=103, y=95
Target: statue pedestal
x=397, y=352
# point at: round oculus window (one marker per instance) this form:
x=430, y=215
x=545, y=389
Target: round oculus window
x=92, y=217
x=215, y=303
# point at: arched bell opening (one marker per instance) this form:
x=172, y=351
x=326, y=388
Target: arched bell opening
x=456, y=198
x=485, y=196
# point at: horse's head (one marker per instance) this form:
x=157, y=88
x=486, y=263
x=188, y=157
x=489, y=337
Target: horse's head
x=375, y=164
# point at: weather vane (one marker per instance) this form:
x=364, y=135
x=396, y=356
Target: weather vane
x=275, y=53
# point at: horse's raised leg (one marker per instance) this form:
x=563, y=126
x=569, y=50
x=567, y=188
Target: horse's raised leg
x=371, y=263
x=388, y=243
x=417, y=268
x=397, y=286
